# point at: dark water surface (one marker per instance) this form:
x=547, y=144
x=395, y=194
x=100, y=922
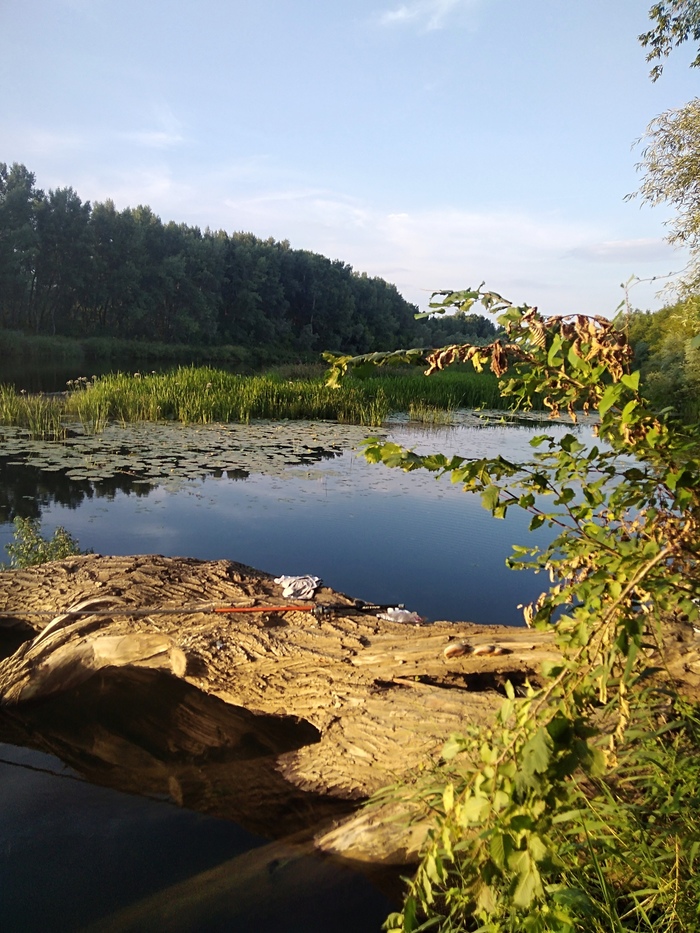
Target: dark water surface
x=77, y=855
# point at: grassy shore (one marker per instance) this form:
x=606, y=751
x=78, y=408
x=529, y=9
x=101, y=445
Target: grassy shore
x=88, y=353
x=199, y=395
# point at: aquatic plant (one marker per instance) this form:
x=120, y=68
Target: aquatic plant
x=41, y=415
x=203, y=395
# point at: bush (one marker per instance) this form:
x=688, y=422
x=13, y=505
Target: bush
x=31, y=548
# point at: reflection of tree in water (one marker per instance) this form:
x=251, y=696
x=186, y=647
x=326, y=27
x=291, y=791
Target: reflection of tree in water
x=316, y=454
x=26, y=490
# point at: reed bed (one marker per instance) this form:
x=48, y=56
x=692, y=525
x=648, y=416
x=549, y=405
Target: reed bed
x=200, y=395
x=447, y=391
x=41, y=415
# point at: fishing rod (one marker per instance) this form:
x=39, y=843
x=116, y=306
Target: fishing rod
x=314, y=609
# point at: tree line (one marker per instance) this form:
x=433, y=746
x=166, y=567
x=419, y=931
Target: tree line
x=74, y=269
x=666, y=346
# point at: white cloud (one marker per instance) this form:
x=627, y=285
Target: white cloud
x=639, y=250
x=534, y=258
x=429, y=14
x=153, y=139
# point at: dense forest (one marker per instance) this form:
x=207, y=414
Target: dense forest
x=666, y=346
x=73, y=269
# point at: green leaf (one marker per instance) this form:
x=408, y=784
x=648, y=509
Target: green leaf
x=527, y=887
x=501, y=848
x=537, y=752
x=489, y=497
x=610, y=397
x=410, y=921
x=448, y=798
x=631, y=381
x=473, y=810
x=554, y=357
x=453, y=746
x=576, y=361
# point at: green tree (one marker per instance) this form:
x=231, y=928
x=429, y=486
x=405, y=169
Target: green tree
x=19, y=243
x=674, y=23
x=666, y=346
x=63, y=260
x=671, y=167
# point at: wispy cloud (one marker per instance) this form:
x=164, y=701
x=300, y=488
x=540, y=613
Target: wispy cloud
x=639, y=250
x=427, y=14
x=166, y=130
x=153, y=139
x=534, y=258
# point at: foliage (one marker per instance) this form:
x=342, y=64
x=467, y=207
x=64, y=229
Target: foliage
x=42, y=416
x=202, y=395
x=670, y=158
x=31, y=548
x=578, y=809
x=78, y=270
x=671, y=166
x=666, y=346
x=674, y=22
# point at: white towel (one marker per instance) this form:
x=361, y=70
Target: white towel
x=298, y=587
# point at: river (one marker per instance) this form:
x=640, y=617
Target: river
x=285, y=498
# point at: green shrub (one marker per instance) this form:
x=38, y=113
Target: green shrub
x=30, y=547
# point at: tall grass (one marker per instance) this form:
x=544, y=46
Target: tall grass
x=202, y=395
x=198, y=395
x=447, y=390
x=41, y=415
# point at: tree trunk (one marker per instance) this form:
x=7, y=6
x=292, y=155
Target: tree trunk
x=283, y=720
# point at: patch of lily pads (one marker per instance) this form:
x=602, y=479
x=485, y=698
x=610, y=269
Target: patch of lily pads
x=170, y=454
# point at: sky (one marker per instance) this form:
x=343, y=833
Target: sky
x=434, y=143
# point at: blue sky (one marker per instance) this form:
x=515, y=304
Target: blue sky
x=435, y=143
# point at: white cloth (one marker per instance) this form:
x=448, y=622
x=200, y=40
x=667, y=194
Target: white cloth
x=400, y=615
x=302, y=587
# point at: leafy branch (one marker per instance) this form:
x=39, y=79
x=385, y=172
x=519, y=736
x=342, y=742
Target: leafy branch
x=518, y=826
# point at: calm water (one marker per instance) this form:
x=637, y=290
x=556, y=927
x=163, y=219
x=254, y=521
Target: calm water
x=373, y=533
x=74, y=853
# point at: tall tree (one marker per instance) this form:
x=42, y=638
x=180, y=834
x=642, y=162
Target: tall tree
x=19, y=242
x=674, y=22
x=63, y=260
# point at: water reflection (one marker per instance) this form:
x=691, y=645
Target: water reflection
x=28, y=491
x=147, y=733
x=124, y=863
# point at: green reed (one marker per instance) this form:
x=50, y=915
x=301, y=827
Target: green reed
x=448, y=390
x=41, y=415
x=203, y=394
x=199, y=395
